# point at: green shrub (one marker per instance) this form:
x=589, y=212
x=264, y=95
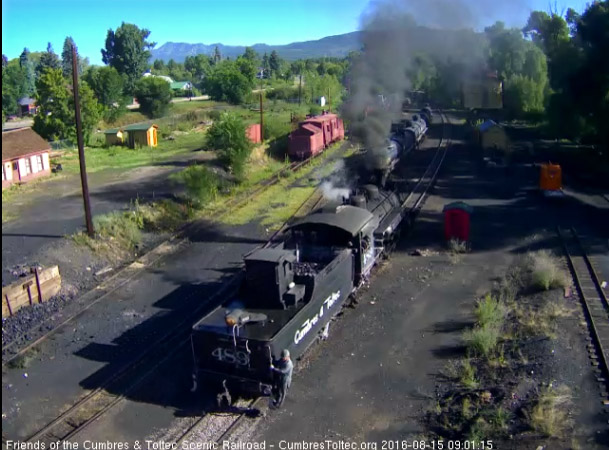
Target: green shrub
x=227, y=135
x=214, y=114
x=276, y=128
x=550, y=413
x=490, y=312
x=482, y=340
x=122, y=226
x=545, y=272
x=467, y=375
x=201, y=184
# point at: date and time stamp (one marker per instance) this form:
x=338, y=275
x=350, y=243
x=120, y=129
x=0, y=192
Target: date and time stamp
x=396, y=444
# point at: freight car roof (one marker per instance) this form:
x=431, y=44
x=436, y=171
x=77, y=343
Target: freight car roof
x=346, y=217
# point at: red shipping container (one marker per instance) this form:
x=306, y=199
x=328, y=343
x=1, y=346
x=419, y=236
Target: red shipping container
x=457, y=221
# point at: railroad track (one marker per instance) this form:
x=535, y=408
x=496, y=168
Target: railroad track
x=594, y=302
x=414, y=201
x=231, y=426
x=133, y=374
x=229, y=207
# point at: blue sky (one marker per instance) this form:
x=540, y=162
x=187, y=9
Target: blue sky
x=33, y=23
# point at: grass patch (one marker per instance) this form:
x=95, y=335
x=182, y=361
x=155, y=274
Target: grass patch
x=120, y=157
x=490, y=312
x=277, y=203
x=467, y=375
x=482, y=340
x=119, y=233
x=202, y=185
x=546, y=273
x=457, y=246
x=549, y=414
x=24, y=360
x=539, y=321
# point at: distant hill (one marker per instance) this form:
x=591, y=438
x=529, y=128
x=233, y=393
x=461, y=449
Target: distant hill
x=331, y=46
x=461, y=45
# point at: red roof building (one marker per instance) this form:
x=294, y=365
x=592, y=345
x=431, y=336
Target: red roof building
x=25, y=156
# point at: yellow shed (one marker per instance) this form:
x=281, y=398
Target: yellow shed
x=114, y=136
x=142, y=135
x=492, y=135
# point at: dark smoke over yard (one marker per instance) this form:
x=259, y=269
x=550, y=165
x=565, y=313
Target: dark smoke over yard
x=394, y=33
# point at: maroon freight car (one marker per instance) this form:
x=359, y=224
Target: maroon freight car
x=314, y=135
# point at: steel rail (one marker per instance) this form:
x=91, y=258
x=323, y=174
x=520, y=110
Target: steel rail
x=99, y=401
x=596, y=308
x=226, y=435
x=274, y=179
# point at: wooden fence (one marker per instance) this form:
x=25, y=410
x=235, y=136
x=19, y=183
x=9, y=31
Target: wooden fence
x=35, y=288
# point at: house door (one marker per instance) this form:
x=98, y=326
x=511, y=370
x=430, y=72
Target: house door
x=16, y=176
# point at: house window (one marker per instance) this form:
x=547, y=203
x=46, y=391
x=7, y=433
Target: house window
x=39, y=163
x=28, y=166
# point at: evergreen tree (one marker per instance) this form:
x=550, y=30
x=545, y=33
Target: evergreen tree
x=217, y=56
x=274, y=63
x=48, y=59
x=28, y=70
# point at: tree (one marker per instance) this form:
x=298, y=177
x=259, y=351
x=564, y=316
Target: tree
x=28, y=71
x=55, y=118
x=227, y=135
x=247, y=69
x=199, y=66
x=217, y=56
x=48, y=59
x=13, y=86
x=274, y=63
x=4, y=61
x=158, y=65
x=265, y=65
x=227, y=83
x=250, y=54
x=90, y=111
x=127, y=50
x=154, y=96
x=107, y=85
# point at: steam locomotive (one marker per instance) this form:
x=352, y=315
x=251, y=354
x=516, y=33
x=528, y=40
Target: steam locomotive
x=405, y=136
x=291, y=291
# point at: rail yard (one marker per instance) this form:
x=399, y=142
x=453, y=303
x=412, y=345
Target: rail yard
x=403, y=245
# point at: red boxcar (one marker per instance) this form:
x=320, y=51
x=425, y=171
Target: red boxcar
x=315, y=134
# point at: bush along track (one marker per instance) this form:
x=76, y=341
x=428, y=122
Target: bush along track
x=515, y=382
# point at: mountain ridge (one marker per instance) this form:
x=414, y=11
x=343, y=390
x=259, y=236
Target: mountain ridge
x=330, y=46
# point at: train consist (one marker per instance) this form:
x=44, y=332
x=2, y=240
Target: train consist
x=291, y=291
x=314, y=135
x=405, y=136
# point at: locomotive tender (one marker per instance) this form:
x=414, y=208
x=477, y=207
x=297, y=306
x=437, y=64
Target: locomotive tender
x=292, y=291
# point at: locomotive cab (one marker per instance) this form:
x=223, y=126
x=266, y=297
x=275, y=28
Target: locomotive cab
x=289, y=295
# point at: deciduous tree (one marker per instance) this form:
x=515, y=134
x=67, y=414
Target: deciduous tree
x=154, y=96
x=127, y=50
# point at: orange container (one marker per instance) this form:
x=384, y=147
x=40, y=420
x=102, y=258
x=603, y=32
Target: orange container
x=550, y=177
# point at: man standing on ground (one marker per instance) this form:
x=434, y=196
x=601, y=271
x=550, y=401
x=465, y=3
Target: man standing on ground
x=284, y=373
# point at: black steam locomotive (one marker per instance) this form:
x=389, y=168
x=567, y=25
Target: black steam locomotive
x=405, y=136
x=291, y=291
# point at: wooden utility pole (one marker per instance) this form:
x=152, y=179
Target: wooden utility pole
x=81, y=146
x=261, y=120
